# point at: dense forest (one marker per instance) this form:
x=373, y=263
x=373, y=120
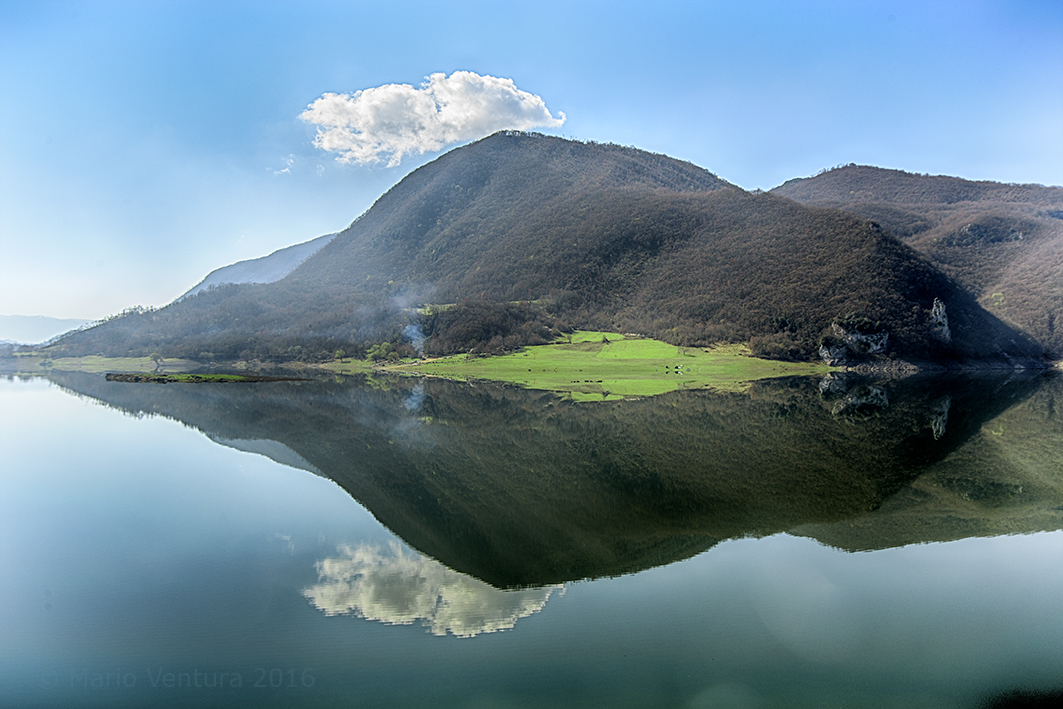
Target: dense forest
x=1002, y=242
x=518, y=237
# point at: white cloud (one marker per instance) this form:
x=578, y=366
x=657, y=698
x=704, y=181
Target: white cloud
x=391, y=121
x=398, y=588
x=287, y=166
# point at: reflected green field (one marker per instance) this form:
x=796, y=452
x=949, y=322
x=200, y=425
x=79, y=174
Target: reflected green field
x=41, y=363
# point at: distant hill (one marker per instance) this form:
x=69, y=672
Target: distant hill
x=266, y=269
x=32, y=329
x=530, y=234
x=1003, y=242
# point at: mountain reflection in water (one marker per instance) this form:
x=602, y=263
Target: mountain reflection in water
x=518, y=488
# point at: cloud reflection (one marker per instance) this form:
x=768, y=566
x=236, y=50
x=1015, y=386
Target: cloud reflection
x=399, y=587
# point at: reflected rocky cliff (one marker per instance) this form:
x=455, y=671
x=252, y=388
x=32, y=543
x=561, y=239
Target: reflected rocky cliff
x=519, y=488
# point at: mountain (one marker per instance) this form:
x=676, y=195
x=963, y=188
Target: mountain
x=477, y=218
x=266, y=269
x=1002, y=242
x=529, y=234
x=28, y=329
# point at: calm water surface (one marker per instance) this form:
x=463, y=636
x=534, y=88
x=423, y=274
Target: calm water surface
x=382, y=543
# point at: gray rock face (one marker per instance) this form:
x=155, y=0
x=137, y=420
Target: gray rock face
x=834, y=354
x=939, y=322
x=861, y=343
x=849, y=343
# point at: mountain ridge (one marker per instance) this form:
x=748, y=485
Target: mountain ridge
x=868, y=182
x=264, y=269
x=547, y=233
x=1002, y=242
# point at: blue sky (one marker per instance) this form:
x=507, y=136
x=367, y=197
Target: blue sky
x=143, y=144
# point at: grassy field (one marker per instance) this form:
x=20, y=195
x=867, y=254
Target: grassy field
x=586, y=366
x=596, y=366
x=350, y=366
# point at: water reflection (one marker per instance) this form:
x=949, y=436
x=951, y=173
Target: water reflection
x=398, y=587
x=518, y=488
x=273, y=450
x=853, y=397
x=136, y=546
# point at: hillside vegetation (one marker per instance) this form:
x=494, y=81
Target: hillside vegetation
x=527, y=236
x=1003, y=242
x=600, y=366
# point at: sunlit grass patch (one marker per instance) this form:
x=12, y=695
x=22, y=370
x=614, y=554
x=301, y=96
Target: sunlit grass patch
x=599, y=366
x=591, y=336
x=638, y=349
x=349, y=366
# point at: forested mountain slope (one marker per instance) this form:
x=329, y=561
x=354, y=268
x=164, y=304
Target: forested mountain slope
x=1004, y=242
x=493, y=204
x=583, y=235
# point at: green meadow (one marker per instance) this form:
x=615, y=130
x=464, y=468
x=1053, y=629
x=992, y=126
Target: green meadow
x=585, y=366
x=597, y=366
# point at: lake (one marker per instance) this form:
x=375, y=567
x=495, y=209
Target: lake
x=384, y=542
